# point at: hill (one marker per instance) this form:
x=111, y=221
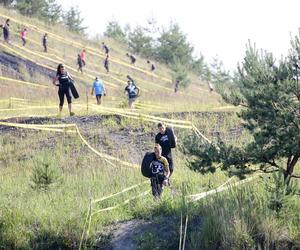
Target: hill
x=30, y=64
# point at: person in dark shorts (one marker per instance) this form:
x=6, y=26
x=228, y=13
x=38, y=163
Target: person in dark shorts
x=45, y=42
x=162, y=139
x=79, y=63
x=105, y=48
x=64, y=78
x=106, y=63
x=160, y=172
x=132, y=91
x=99, y=89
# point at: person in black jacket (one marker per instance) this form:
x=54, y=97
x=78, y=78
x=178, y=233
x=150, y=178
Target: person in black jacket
x=162, y=139
x=64, y=78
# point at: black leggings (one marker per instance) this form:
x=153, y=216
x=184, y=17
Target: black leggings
x=61, y=94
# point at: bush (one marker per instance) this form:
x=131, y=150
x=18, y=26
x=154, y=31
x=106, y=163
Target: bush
x=45, y=173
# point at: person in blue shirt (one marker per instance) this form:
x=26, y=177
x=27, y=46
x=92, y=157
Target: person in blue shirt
x=99, y=89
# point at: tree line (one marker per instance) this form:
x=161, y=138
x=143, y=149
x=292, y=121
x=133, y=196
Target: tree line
x=168, y=45
x=49, y=11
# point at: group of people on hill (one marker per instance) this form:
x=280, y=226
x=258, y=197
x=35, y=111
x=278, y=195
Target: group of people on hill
x=23, y=35
x=161, y=164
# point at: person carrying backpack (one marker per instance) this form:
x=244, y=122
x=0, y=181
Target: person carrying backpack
x=45, y=42
x=64, y=78
x=159, y=172
x=167, y=140
x=23, y=35
x=99, y=89
x=132, y=91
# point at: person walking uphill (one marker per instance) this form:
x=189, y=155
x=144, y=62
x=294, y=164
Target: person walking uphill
x=167, y=140
x=105, y=48
x=159, y=172
x=64, y=85
x=99, y=89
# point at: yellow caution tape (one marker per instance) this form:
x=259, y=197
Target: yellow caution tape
x=120, y=204
x=121, y=192
x=91, y=50
x=197, y=197
x=35, y=85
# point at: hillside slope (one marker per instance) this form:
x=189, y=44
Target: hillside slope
x=31, y=64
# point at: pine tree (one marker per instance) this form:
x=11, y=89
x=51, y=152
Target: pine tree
x=114, y=30
x=173, y=45
x=270, y=95
x=140, y=42
x=54, y=11
x=73, y=20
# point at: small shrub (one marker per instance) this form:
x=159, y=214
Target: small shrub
x=45, y=173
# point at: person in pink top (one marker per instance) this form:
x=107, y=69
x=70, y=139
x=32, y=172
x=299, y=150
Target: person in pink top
x=23, y=35
x=83, y=57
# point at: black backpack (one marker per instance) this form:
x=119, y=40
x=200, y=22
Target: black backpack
x=146, y=164
x=171, y=137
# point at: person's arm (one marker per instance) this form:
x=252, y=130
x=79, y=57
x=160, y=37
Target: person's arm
x=166, y=168
x=104, y=90
x=70, y=77
x=54, y=81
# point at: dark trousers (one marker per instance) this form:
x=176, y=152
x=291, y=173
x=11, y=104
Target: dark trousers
x=157, y=185
x=62, y=92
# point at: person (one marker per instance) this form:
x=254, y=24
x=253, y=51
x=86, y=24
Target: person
x=152, y=68
x=132, y=58
x=45, y=42
x=211, y=87
x=99, y=89
x=80, y=63
x=160, y=172
x=23, y=35
x=162, y=139
x=106, y=49
x=106, y=63
x=176, y=86
x=64, y=78
x=83, y=57
x=132, y=91
x=6, y=32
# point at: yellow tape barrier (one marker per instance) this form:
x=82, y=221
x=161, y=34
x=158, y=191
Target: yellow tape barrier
x=30, y=84
x=222, y=188
x=80, y=46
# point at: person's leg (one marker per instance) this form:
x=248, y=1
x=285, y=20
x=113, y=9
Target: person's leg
x=69, y=99
x=155, y=186
x=130, y=103
x=171, y=165
x=61, y=99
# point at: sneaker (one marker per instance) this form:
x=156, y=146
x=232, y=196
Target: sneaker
x=72, y=113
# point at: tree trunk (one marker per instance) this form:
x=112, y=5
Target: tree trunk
x=290, y=168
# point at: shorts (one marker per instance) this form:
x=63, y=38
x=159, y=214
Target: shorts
x=62, y=92
x=98, y=97
x=132, y=99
